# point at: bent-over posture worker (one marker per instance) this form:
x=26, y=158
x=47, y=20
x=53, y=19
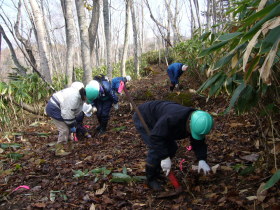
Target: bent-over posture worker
x=117, y=83
x=174, y=71
x=168, y=122
x=103, y=103
x=63, y=107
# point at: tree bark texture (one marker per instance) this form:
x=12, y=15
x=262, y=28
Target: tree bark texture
x=135, y=39
x=93, y=26
x=42, y=44
x=107, y=28
x=85, y=47
x=70, y=38
x=126, y=37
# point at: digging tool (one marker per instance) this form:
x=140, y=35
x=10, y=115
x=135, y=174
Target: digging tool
x=171, y=176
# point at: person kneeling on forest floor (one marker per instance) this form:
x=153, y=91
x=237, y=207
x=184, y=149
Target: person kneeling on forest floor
x=168, y=122
x=174, y=71
x=63, y=107
x=103, y=103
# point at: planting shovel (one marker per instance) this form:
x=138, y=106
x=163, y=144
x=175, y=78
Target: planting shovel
x=171, y=176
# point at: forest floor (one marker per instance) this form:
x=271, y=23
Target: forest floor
x=235, y=152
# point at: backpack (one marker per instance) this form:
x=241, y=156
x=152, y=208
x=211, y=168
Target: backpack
x=104, y=82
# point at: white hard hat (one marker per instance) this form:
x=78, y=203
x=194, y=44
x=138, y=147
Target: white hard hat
x=87, y=109
x=128, y=78
x=77, y=85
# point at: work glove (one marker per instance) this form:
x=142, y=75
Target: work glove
x=204, y=166
x=73, y=130
x=116, y=106
x=166, y=165
x=94, y=109
x=176, y=86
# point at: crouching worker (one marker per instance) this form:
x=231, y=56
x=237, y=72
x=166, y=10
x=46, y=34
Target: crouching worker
x=174, y=71
x=168, y=122
x=88, y=110
x=63, y=107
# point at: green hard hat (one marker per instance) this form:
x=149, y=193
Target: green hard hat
x=92, y=91
x=201, y=124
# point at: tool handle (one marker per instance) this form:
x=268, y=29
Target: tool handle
x=173, y=180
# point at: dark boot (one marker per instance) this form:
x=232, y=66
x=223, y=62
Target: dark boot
x=151, y=174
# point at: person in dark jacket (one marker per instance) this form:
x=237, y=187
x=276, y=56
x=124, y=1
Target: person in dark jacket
x=174, y=71
x=103, y=103
x=168, y=122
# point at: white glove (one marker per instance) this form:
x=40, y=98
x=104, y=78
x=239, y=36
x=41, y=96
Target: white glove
x=204, y=166
x=94, y=109
x=116, y=106
x=176, y=86
x=166, y=165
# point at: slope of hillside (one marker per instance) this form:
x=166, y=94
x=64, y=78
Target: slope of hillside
x=232, y=147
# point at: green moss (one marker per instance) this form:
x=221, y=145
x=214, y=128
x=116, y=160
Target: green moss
x=184, y=99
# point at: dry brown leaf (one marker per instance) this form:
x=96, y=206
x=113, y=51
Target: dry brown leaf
x=251, y=198
x=261, y=194
x=251, y=157
x=226, y=168
x=276, y=150
x=261, y=5
x=92, y=207
x=215, y=167
x=101, y=190
x=39, y=205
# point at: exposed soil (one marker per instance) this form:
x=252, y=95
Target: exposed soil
x=231, y=187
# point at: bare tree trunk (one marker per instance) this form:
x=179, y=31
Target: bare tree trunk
x=70, y=38
x=93, y=26
x=135, y=40
x=214, y=15
x=19, y=69
x=42, y=44
x=192, y=19
x=172, y=21
x=26, y=43
x=84, y=41
x=196, y=6
x=208, y=15
x=107, y=27
x=126, y=37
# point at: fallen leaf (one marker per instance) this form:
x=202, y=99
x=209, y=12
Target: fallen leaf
x=252, y=158
x=215, y=167
x=101, y=190
x=226, y=168
x=39, y=205
x=251, y=198
x=92, y=207
x=261, y=194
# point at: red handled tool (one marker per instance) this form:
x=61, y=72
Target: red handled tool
x=174, y=180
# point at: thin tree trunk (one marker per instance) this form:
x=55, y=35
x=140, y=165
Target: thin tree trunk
x=93, y=26
x=192, y=19
x=135, y=40
x=107, y=28
x=84, y=41
x=196, y=6
x=20, y=69
x=42, y=44
x=126, y=37
x=26, y=43
x=70, y=38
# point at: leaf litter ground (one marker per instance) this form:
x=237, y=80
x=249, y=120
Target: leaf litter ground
x=53, y=185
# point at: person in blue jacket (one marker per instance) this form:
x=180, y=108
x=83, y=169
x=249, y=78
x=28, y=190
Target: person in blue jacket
x=174, y=71
x=104, y=102
x=117, y=81
x=168, y=122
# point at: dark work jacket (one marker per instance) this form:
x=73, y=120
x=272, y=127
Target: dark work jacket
x=175, y=71
x=106, y=92
x=167, y=121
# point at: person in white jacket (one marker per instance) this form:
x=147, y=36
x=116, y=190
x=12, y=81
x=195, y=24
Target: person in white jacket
x=63, y=107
